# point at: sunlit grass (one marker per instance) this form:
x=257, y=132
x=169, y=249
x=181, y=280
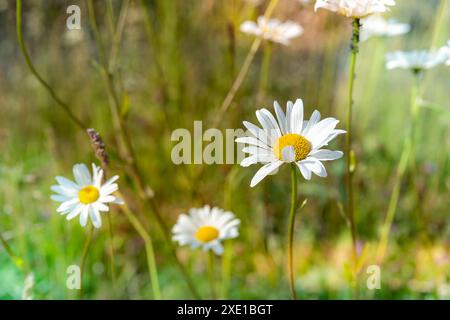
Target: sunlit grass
x=179, y=68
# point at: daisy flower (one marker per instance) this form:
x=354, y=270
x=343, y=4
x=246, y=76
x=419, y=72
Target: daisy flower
x=289, y=138
x=417, y=60
x=445, y=50
x=206, y=227
x=355, y=8
x=272, y=29
x=87, y=196
x=377, y=26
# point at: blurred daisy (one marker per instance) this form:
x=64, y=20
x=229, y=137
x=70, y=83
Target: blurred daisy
x=378, y=26
x=415, y=60
x=273, y=30
x=445, y=50
x=355, y=8
x=288, y=139
x=87, y=196
x=206, y=227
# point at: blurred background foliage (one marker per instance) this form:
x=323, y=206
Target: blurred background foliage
x=176, y=61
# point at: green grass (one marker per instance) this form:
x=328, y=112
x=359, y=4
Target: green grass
x=181, y=74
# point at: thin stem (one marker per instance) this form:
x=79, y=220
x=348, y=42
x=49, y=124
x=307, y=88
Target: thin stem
x=291, y=232
x=350, y=161
x=244, y=69
x=117, y=36
x=148, y=243
x=33, y=70
x=87, y=245
x=265, y=67
x=17, y=261
x=226, y=269
x=212, y=280
x=407, y=152
x=145, y=193
x=238, y=81
x=111, y=251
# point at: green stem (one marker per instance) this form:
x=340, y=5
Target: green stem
x=226, y=269
x=145, y=192
x=265, y=67
x=17, y=261
x=291, y=231
x=407, y=152
x=87, y=245
x=111, y=251
x=151, y=261
x=244, y=69
x=350, y=158
x=211, y=275
x=33, y=70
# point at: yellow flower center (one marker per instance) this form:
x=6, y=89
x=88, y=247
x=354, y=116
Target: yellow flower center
x=88, y=194
x=302, y=147
x=206, y=234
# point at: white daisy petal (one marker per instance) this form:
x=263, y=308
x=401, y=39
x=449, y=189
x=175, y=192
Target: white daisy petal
x=66, y=183
x=326, y=155
x=84, y=216
x=315, y=166
x=315, y=117
x=82, y=175
x=273, y=122
x=306, y=173
x=75, y=212
x=95, y=217
x=252, y=141
x=264, y=171
x=296, y=119
x=218, y=248
x=59, y=198
x=258, y=133
x=68, y=205
x=281, y=117
x=64, y=191
x=331, y=136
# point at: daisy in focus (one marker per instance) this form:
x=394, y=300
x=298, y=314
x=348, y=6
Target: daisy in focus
x=355, y=8
x=378, y=26
x=289, y=139
x=416, y=61
x=86, y=196
x=272, y=30
x=206, y=228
